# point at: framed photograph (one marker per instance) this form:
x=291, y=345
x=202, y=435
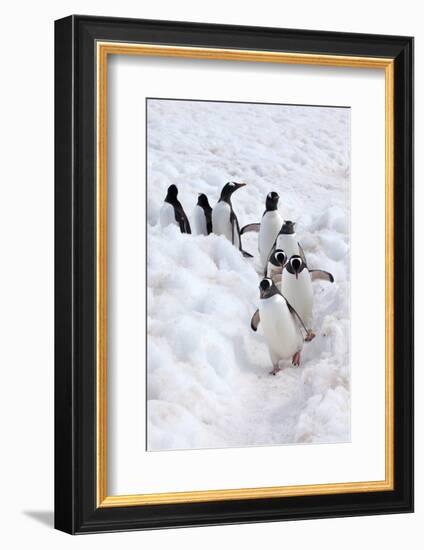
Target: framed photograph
x=234, y=274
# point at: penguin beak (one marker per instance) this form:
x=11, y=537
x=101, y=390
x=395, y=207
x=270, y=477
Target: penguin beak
x=240, y=184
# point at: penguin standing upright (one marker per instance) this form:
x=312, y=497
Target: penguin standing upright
x=224, y=219
x=296, y=285
x=271, y=224
x=172, y=211
x=286, y=240
x=268, y=229
x=202, y=216
x=281, y=324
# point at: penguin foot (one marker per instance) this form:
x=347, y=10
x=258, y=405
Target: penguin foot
x=275, y=370
x=309, y=336
x=296, y=359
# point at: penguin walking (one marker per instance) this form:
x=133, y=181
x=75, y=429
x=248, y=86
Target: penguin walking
x=224, y=219
x=202, y=216
x=281, y=324
x=269, y=227
x=296, y=285
x=172, y=211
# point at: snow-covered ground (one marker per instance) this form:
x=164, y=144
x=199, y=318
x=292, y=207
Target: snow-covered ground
x=208, y=373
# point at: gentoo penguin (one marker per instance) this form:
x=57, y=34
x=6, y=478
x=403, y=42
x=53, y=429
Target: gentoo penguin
x=172, y=212
x=296, y=285
x=271, y=224
x=224, y=219
x=269, y=227
x=281, y=325
x=202, y=216
x=286, y=240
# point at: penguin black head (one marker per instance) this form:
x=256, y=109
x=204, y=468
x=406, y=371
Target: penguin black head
x=172, y=194
x=229, y=189
x=287, y=228
x=267, y=288
x=271, y=202
x=203, y=201
x=295, y=265
x=278, y=258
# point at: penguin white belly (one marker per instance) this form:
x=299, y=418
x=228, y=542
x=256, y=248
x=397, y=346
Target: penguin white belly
x=288, y=243
x=281, y=332
x=270, y=226
x=199, y=221
x=221, y=224
x=167, y=215
x=299, y=294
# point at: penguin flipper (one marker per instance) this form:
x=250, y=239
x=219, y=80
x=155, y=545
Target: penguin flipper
x=309, y=335
x=187, y=228
x=255, y=321
x=246, y=254
x=181, y=218
x=208, y=216
x=235, y=227
x=250, y=227
x=321, y=275
x=233, y=221
x=297, y=317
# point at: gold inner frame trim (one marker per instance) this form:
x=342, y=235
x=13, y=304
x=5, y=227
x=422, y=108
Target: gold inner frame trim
x=103, y=50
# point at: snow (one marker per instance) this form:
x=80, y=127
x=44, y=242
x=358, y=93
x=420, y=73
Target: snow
x=208, y=372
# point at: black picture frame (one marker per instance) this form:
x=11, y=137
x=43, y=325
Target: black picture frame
x=76, y=510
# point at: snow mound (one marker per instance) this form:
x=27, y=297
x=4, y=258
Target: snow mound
x=208, y=384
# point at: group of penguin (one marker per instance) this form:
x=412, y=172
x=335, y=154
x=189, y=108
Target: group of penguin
x=286, y=292
x=221, y=219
